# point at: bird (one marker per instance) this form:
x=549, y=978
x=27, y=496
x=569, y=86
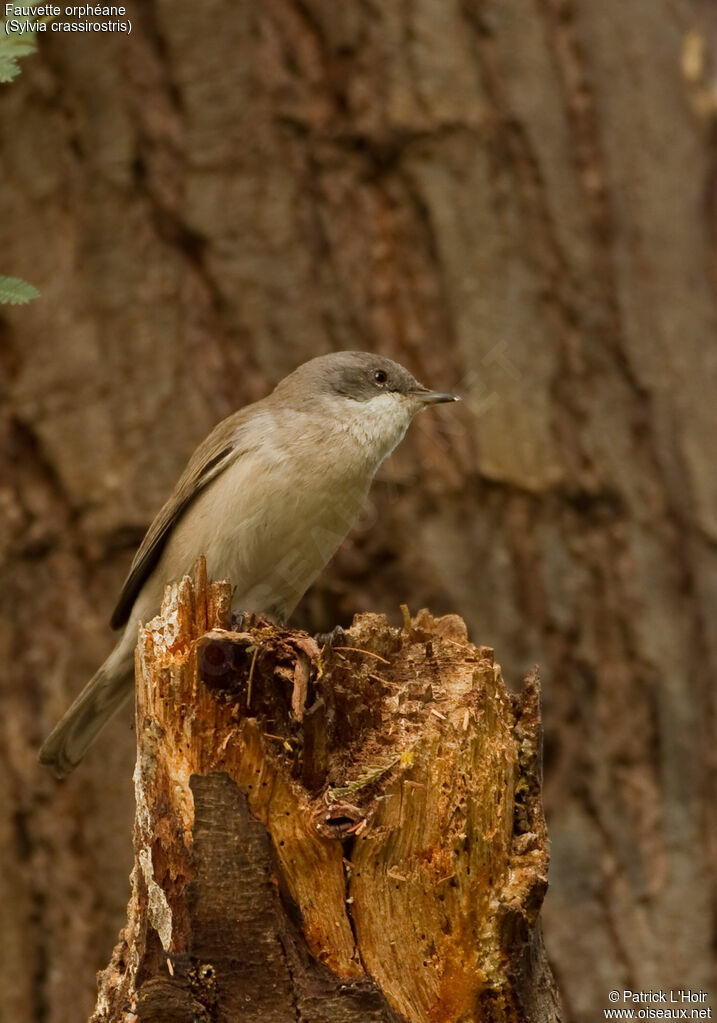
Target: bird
x=267, y=498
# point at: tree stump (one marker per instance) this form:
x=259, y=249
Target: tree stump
x=338, y=834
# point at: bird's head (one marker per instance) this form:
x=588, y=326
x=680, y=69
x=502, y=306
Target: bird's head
x=373, y=398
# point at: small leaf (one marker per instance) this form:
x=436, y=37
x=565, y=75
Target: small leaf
x=9, y=68
x=19, y=45
x=12, y=46
x=14, y=291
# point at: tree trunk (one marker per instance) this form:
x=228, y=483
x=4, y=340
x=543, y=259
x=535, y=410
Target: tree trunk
x=518, y=201
x=348, y=834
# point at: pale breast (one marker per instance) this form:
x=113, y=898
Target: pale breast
x=269, y=524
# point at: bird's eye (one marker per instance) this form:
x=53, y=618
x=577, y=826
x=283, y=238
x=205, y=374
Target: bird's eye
x=380, y=376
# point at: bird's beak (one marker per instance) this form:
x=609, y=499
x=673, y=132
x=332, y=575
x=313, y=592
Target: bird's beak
x=429, y=397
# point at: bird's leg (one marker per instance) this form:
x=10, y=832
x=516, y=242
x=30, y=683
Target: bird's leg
x=337, y=637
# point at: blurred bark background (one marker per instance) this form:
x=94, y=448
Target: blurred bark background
x=517, y=201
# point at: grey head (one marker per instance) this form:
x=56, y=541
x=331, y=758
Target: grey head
x=358, y=377
x=364, y=402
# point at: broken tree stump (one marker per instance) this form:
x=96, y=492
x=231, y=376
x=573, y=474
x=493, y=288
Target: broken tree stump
x=346, y=834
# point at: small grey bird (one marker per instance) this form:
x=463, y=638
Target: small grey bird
x=267, y=498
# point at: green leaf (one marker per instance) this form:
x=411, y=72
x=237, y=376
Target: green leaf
x=13, y=291
x=9, y=68
x=12, y=46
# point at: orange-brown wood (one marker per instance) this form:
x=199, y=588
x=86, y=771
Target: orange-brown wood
x=354, y=830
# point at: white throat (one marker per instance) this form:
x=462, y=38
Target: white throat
x=379, y=425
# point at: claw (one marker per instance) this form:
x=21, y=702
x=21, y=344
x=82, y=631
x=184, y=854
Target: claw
x=336, y=637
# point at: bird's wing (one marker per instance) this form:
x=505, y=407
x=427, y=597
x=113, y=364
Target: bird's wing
x=222, y=447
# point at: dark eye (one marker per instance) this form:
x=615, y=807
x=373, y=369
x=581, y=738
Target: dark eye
x=380, y=376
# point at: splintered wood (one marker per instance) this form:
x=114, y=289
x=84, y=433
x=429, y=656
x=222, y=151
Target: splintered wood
x=351, y=833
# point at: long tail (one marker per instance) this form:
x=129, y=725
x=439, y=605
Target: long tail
x=101, y=698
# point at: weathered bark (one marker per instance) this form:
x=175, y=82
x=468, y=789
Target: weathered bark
x=348, y=834
x=517, y=200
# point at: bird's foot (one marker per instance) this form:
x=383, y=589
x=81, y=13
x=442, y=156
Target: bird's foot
x=337, y=637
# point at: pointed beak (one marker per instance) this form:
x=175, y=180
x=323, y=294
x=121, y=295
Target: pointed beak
x=429, y=397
